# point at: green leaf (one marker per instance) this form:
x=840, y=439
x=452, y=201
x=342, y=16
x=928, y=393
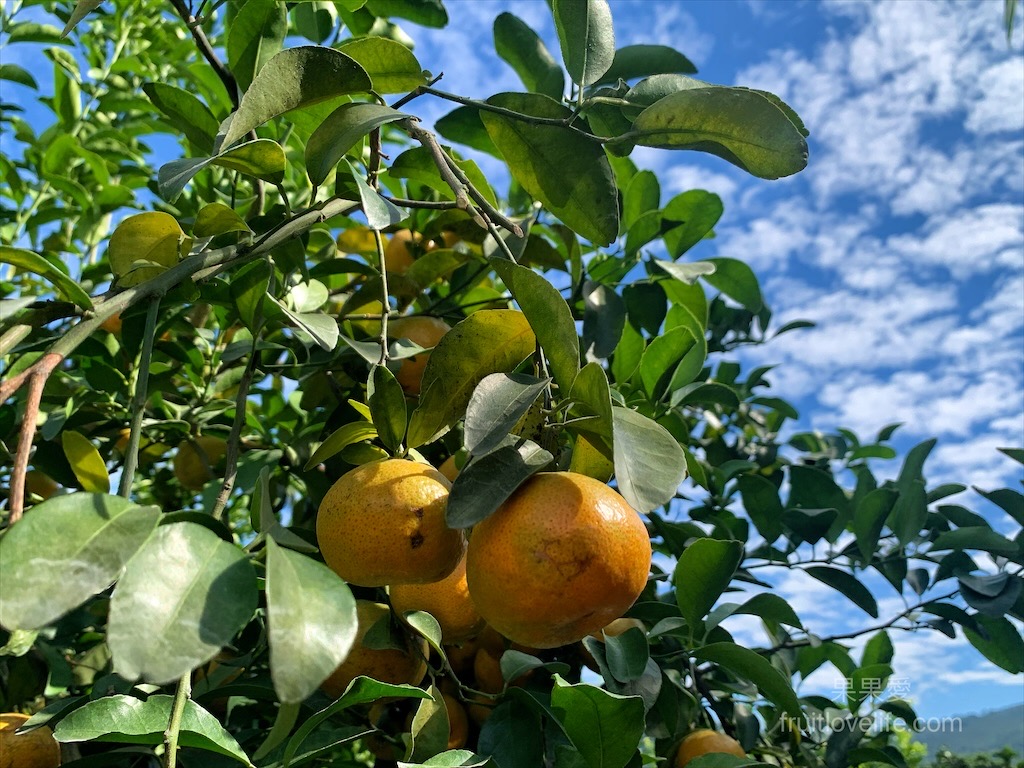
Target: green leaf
x=591, y=397
x=426, y=13
x=45, y=575
x=249, y=287
x=641, y=195
x=161, y=628
x=387, y=406
x=980, y=538
x=1010, y=501
x=128, y=720
x=737, y=281
x=488, y=341
x=312, y=617
x=649, y=464
x=699, y=211
x=342, y=129
x=485, y=483
x=144, y=245
x=315, y=20
x=186, y=113
x=418, y=164
x=341, y=438
x=254, y=36
x=687, y=273
x=762, y=504
x=739, y=125
x=633, y=61
x=262, y=158
x=380, y=213
x=430, y=728
x=604, y=727
x=1003, y=645
x=218, y=219
x=702, y=573
x=878, y=650
x=567, y=172
x=514, y=734
x=770, y=607
x=662, y=356
x=549, y=316
x=627, y=655
x=586, y=36
x=452, y=758
x=869, y=519
x=297, y=77
x=847, y=584
x=515, y=664
x=392, y=67
x=498, y=402
x=464, y=125
x=749, y=665
x=82, y=9
x=36, y=264
x=16, y=74
x=525, y=52
x=86, y=462
x=604, y=316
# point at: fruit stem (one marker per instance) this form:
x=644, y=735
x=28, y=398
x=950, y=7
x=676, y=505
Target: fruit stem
x=181, y=697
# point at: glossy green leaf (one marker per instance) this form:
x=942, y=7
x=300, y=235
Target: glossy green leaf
x=586, y=37
x=294, y=78
x=1001, y=644
x=485, y=483
x=392, y=67
x=661, y=357
x=255, y=35
x=418, y=164
x=452, y=758
x=702, y=573
x=627, y=654
x=430, y=728
x=464, y=125
x=698, y=211
x=514, y=734
x=486, y=342
x=86, y=462
x=17, y=74
x=262, y=158
x=869, y=519
x=312, y=618
x=1007, y=499
x=978, y=537
x=36, y=264
x=604, y=315
x=217, y=219
x=380, y=213
x=498, y=402
x=342, y=129
x=847, y=584
x=687, y=272
x=185, y=112
x=762, y=504
x=633, y=61
x=649, y=464
x=739, y=125
x=591, y=398
x=736, y=280
x=604, y=727
x=426, y=13
x=344, y=436
x=45, y=576
x=567, y=172
x=82, y=9
x=387, y=406
x=160, y=629
x=641, y=195
x=130, y=720
x=758, y=670
x=525, y=52
x=249, y=287
x=770, y=607
x=549, y=316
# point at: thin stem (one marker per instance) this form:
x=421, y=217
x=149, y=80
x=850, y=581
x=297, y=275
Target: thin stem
x=140, y=387
x=203, y=44
x=181, y=698
x=435, y=205
x=480, y=200
x=385, y=303
x=415, y=93
x=509, y=113
x=429, y=141
x=234, y=439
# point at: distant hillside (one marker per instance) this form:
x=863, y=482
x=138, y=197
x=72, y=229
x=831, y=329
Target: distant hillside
x=979, y=733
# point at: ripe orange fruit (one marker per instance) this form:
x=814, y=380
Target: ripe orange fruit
x=425, y=331
x=487, y=672
x=446, y=600
x=357, y=240
x=398, y=256
x=388, y=665
x=458, y=723
x=383, y=523
x=113, y=324
x=35, y=749
x=561, y=558
x=194, y=469
x=40, y=484
x=706, y=741
x=449, y=469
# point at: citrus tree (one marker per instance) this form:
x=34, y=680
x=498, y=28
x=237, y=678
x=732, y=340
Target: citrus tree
x=233, y=359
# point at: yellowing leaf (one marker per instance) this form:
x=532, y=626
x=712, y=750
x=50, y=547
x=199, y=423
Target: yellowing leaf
x=145, y=245
x=86, y=462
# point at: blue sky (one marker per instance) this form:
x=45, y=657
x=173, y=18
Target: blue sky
x=903, y=240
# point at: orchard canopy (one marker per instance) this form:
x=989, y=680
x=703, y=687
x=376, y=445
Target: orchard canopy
x=237, y=265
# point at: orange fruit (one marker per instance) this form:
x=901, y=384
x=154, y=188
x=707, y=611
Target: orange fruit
x=357, y=240
x=398, y=253
x=35, y=749
x=705, y=741
x=458, y=723
x=449, y=469
x=196, y=459
x=425, y=331
x=383, y=523
x=388, y=665
x=40, y=484
x=446, y=600
x=487, y=671
x=617, y=627
x=113, y=324
x=561, y=558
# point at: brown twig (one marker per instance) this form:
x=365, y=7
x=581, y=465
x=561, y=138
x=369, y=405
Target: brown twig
x=203, y=44
x=234, y=439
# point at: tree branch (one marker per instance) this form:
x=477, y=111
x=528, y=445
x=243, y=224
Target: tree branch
x=203, y=44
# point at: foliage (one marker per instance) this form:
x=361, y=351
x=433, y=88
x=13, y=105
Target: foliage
x=247, y=275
